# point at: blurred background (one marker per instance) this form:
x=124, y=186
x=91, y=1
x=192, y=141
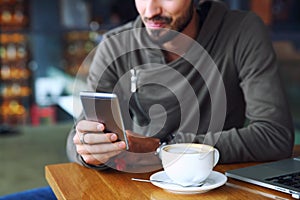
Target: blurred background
x=42, y=45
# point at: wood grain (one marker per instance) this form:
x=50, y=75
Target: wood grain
x=72, y=181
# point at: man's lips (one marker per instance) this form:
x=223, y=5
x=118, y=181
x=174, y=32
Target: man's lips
x=156, y=24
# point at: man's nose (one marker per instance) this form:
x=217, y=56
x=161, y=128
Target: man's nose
x=153, y=8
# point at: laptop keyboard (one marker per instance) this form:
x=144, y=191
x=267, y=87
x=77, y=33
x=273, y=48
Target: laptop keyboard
x=291, y=180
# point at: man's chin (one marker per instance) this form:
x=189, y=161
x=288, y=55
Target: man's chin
x=161, y=36
x=155, y=33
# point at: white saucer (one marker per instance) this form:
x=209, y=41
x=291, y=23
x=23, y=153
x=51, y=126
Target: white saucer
x=214, y=180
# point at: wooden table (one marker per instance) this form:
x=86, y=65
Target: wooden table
x=72, y=181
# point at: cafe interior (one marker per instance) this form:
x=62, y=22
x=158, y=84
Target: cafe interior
x=44, y=45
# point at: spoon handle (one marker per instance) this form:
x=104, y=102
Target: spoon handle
x=160, y=181
x=148, y=181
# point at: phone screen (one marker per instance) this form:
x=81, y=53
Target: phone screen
x=104, y=108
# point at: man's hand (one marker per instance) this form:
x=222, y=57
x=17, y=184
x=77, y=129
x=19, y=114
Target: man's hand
x=96, y=147
x=93, y=145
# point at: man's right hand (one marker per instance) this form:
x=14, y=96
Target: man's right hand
x=93, y=145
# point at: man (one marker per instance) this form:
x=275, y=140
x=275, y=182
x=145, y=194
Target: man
x=223, y=60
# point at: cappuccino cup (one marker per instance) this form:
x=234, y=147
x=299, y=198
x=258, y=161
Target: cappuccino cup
x=188, y=163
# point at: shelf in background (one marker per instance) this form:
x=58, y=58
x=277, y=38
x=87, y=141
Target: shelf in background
x=287, y=35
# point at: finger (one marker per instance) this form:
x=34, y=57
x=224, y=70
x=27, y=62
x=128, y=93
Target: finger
x=97, y=159
x=92, y=138
x=89, y=126
x=100, y=148
x=95, y=138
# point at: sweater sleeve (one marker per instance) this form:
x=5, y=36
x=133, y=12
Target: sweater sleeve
x=269, y=133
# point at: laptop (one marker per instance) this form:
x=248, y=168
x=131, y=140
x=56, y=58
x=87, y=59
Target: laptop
x=283, y=175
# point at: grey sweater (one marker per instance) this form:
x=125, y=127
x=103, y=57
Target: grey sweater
x=225, y=90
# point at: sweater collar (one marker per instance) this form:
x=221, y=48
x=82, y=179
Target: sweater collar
x=213, y=21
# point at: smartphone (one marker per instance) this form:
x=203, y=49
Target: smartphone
x=104, y=108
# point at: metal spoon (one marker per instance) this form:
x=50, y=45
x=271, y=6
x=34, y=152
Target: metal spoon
x=173, y=183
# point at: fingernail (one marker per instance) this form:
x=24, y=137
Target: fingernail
x=113, y=137
x=100, y=127
x=121, y=145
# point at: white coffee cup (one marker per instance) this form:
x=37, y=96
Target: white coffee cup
x=189, y=163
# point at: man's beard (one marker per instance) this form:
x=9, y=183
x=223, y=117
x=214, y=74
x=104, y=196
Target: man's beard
x=161, y=36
